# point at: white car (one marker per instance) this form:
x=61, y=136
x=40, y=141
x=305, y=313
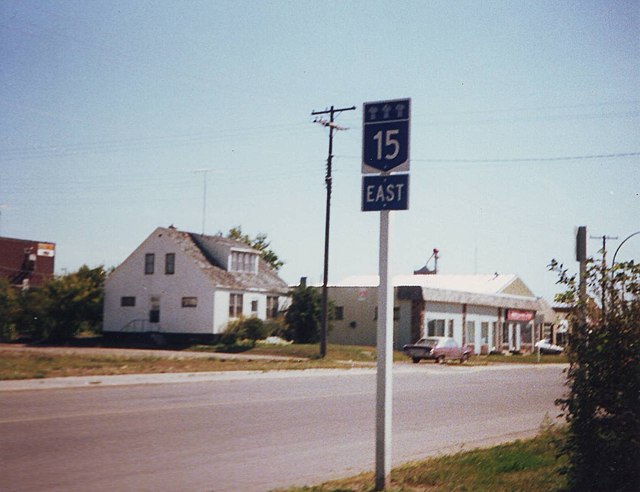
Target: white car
x=546, y=347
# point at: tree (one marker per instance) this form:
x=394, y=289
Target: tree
x=602, y=407
x=65, y=305
x=303, y=316
x=9, y=310
x=260, y=243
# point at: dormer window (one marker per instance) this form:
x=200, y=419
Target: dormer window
x=243, y=261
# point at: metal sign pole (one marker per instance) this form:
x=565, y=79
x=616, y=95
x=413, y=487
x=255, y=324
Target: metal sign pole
x=384, y=378
x=385, y=149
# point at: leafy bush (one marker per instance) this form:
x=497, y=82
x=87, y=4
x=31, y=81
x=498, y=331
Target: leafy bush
x=56, y=311
x=9, y=308
x=303, y=316
x=246, y=329
x=276, y=328
x=602, y=407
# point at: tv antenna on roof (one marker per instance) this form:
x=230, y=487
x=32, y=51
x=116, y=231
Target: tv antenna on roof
x=204, y=172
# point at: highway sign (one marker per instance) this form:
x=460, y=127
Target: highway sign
x=385, y=192
x=385, y=136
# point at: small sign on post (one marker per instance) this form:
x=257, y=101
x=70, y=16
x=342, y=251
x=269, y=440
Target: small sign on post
x=385, y=192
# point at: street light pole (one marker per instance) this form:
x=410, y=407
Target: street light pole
x=613, y=261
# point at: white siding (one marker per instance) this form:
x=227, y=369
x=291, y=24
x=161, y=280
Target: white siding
x=481, y=314
x=448, y=312
x=187, y=281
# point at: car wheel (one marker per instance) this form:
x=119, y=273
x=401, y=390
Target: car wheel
x=416, y=360
x=440, y=359
x=464, y=358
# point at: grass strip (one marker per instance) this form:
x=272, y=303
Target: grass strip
x=523, y=465
x=27, y=364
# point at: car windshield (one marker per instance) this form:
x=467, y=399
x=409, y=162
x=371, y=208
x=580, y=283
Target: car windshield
x=431, y=342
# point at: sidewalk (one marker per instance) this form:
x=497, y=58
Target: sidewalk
x=167, y=378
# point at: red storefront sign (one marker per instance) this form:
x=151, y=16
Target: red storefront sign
x=519, y=315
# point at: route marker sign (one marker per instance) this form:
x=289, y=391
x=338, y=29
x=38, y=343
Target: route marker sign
x=385, y=136
x=385, y=192
x=385, y=150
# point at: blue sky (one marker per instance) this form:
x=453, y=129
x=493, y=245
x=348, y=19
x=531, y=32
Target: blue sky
x=108, y=109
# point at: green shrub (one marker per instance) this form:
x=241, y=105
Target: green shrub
x=246, y=329
x=602, y=407
x=275, y=328
x=303, y=316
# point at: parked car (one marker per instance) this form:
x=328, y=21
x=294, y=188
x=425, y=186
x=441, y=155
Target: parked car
x=546, y=347
x=439, y=349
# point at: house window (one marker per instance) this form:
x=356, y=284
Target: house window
x=242, y=261
x=272, y=307
x=149, y=260
x=526, y=333
x=127, y=301
x=338, y=313
x=189, y=302
x=471, y=332
x=450, y=330
x=254, y=307
x=435, y=328
x=484, y=333
x=170, y=263
x=235, y=305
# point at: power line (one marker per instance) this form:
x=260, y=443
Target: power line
x=520, y=159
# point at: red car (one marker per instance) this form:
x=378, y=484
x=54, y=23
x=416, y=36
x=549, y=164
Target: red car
x=439, y=349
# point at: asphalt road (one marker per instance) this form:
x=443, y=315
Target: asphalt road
x=256, y=432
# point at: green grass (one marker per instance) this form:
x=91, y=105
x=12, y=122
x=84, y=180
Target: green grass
x=518, y=359
x=28, y=365
x=523, y=465
x=36, y=364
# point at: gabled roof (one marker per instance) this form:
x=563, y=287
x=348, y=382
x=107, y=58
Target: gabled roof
x=204, y=251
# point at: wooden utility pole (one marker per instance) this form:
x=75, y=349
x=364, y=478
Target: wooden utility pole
x=328, y=181
x=604, y=238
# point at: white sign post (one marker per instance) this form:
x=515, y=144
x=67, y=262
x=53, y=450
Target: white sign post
x=385, y=149
x=384, y=379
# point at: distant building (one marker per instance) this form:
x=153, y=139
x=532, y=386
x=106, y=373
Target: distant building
x=182, y=283
x=26, y=263
x=487, y=312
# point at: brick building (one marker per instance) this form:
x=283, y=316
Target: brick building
x=25, y=263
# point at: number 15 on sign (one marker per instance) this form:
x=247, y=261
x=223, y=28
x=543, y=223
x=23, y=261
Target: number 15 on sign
x=385, y=142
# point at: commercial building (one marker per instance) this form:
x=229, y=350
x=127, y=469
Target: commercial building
x=488, y=312
x=26, y=263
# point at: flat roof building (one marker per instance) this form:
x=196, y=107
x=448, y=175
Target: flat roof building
x=26, y=263
x=488, y=312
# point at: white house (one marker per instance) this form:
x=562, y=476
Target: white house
x=182, y=283
x=487, y=312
